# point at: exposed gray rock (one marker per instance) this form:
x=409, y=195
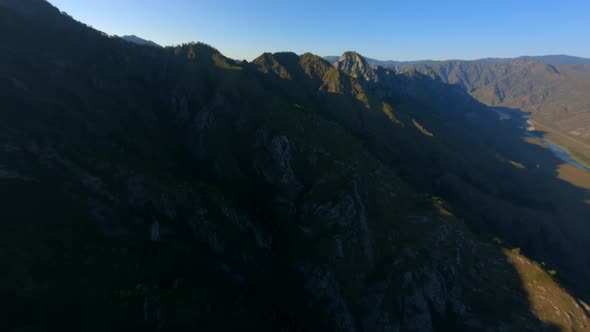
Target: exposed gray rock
x=341, y=212
x=204, y=230
x=180, y=109
x=282, y=149
x=166, y=205
x=324, y=289
x=103, y=214
x=7, y=147
x=356, y=66
x=367, y=239
x=203, y=122
x=20, y=85
x=7, y=174
x=415, y=312
x=155, y=231
x=95, y=185
x=263, y=239
x=137, y=191
x=278, y=169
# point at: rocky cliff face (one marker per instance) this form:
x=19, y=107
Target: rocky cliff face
x=355, y=65
x=171, y=189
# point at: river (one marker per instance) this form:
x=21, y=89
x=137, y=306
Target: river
x=529, y=130
x=559, y=152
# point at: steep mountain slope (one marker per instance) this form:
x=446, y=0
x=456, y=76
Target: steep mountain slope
x=485, y=166
x=172, y=189
x=524, y=84
x=556, y=96
x=551, y=88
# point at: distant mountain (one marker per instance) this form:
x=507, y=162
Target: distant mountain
x=375, y=62
x=560, y=60
x=555, y=60
x=137, y=40
x=556, y=95
x=332, y=58
x=553, y=88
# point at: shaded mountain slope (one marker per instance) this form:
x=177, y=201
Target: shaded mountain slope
x=171, y=189
x=465, y=154
x=555, y=95
x=552, y=88
x=523, y=84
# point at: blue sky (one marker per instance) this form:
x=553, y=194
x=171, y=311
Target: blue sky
x=384, y=29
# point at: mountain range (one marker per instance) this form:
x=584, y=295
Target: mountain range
x=175, y=189
x=555, y=60
x=552, y=89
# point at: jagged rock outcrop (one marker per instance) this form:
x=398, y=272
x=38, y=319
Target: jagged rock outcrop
x=356, y=66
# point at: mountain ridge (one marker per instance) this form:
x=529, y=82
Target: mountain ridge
x=140, y=41
x=556, y=60
x=174, y=189
x=550, y=88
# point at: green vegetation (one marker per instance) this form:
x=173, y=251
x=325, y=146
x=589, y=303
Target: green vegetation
x=175, y=189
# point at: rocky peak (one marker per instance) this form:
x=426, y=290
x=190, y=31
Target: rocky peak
x=275, y=63
x=356, y=66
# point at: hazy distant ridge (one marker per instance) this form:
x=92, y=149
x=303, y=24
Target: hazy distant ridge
x=555, y=60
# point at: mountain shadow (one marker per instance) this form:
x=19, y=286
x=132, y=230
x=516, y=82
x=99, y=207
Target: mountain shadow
x=552, y=89
x=488, y=149
x=174, y=189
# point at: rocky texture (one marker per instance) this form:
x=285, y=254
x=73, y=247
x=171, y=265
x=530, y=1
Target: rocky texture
x=446, y=113
x=356, y=65
x=171, y=189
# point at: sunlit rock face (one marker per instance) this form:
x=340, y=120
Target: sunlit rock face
x=355, y=65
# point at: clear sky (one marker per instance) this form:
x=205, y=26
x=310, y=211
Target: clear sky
x=383, y=29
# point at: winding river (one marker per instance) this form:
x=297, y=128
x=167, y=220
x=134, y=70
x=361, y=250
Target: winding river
x=559, y=152
x=529, y=130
